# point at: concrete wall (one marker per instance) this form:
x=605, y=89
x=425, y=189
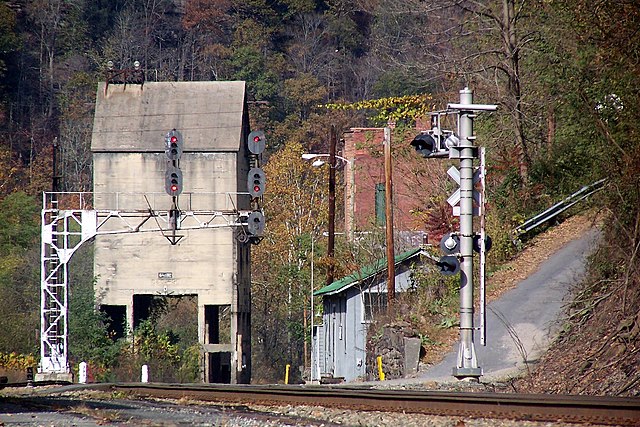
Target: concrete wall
x=122, y=181
x=128, y=145
x=135, y=118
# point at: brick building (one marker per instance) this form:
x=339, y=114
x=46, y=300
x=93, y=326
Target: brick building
x=365, y=185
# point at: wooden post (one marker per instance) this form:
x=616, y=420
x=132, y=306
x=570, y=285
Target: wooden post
x=332, y=204
x=388, y=188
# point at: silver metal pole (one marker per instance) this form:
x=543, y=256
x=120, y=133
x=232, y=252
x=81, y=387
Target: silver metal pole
x=483, y=252
x=313, y=361
x=467, y=363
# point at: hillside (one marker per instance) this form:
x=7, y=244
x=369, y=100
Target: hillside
x=598, y=352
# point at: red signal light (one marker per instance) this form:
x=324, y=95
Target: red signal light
x=173, y=184
x=256, y=142
x=173, y=145
x=256, y=182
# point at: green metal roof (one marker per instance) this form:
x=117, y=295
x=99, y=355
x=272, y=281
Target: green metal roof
x=365, y=273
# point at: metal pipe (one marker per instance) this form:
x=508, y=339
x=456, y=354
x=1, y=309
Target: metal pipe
x=309, y=156
x=471, y=106
x=559, y=207
x=467, y=364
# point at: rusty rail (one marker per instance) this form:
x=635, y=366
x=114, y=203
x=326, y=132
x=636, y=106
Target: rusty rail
x=548, y=408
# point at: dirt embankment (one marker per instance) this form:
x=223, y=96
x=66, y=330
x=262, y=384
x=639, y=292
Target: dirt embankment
x=598, y=352
x=508, y=275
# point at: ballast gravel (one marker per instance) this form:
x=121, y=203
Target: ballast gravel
x=91, y=409
x=261, y=417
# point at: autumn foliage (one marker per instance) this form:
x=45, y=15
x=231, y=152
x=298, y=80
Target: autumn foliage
x=564, y=74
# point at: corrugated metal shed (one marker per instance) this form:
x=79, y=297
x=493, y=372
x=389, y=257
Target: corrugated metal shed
x=340, y=341
x=369, y=271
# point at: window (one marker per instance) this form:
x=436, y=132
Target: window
x=374, y=303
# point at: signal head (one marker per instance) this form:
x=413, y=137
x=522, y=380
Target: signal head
x=173, y=144
x=255, y=223
x=428, y=144
x=448, y=265
x=256, y=142
x=256, y=182
x=450, y=243
x=424, y=144
x=173, y=181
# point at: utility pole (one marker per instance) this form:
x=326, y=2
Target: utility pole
x=388, y=190
x=332, y=204
x=55, y=180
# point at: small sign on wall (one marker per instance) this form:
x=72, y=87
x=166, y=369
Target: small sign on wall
x=165, y=275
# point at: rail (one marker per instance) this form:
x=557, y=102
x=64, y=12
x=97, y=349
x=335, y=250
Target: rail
x=550, y=408
x=618, y=411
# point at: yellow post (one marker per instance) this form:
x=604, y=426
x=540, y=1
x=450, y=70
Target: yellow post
x=380, y=372
x=286, y=374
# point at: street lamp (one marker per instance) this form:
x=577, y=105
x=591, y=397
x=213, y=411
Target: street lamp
x=311, y=359
x=309, y=156
x=332, y=201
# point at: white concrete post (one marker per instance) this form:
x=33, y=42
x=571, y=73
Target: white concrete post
x=145, y=374
x=82, y=373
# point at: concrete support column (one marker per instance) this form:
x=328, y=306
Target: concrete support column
x=130, y=317
x=202, y=339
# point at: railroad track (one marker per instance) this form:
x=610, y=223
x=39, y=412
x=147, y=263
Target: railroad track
x=547, y=408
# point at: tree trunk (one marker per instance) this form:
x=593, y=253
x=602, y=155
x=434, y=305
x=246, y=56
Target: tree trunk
x=510, y=39
x=551, y=126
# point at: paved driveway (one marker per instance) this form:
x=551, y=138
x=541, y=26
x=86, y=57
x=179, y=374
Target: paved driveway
x=522, y=323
